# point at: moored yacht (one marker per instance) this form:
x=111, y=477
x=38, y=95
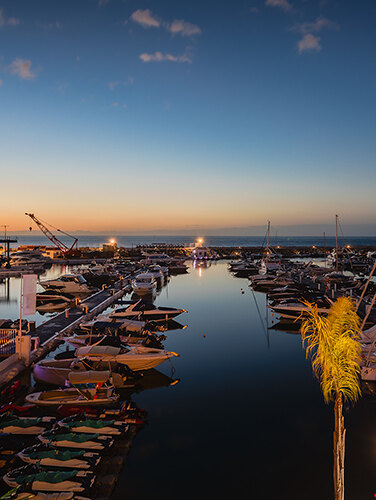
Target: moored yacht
x=144, y=284
x=74, y=284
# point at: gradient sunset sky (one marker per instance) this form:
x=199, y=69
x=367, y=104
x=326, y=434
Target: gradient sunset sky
x=162, y=115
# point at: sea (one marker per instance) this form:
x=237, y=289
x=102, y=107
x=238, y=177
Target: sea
x=97, y=240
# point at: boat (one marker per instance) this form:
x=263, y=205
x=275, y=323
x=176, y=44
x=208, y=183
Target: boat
x=135, y=357
x=59, y=438
x=49, y=301
x=144, y=284
x=52, y=457
x=294, y=310
x=143, y=310
x=40, y=480
x=74, y=284
x=84, y=393
x=157, y=272
x=25, y=425
x=78, y=423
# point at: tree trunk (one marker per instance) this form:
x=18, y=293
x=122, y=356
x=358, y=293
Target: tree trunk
x=339, y=449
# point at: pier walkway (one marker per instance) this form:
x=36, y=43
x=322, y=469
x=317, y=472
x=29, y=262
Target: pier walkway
x=62, y=324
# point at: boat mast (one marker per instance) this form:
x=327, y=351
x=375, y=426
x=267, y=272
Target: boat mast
x=336, y=242
x=267, y=242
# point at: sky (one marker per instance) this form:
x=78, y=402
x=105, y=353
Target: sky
x=163, y=116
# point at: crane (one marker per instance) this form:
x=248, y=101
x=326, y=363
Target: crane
x=65, y=250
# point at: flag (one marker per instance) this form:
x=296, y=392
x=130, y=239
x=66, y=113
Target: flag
x=29, y=294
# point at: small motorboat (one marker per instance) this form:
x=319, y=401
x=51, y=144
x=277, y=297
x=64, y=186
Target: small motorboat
x=135, y=357
x=59, y=438
x=143, y=310
x=78, y=423
x=74, y=284
x=50, y=301
x=52, y=457
x=11, y=424
x=39, y=480
x=83, y=394
x=57, y=371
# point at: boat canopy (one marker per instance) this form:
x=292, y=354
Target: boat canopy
x=97, y=350
x=89, y=377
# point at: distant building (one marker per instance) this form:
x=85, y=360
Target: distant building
x=201, y=253
x=53, y=253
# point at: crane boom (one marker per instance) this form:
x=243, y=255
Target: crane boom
x=64, y=248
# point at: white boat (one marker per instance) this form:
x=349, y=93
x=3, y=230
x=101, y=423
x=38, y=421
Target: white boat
x=74, y=284
x=46, y=456
x=293, y=311
x=142, y=310
x=79, y=396
x=144, y=284
x=135, y=357
x=156, y=271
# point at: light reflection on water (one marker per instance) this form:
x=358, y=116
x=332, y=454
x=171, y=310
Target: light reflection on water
x=247, y=419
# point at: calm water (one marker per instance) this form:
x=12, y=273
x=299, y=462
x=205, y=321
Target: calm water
x=247, y=419
x=97, y=240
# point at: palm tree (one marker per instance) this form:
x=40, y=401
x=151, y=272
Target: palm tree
x=332, y=343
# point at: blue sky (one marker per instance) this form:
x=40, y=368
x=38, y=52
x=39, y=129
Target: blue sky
x=132, y=115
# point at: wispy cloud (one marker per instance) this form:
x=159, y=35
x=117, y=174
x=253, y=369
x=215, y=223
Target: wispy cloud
x=309, y=42
x=10, y=21
x=314, y=27
x=160, y=57
x=282, y=4
x=22, y=68
x=145, y=18
x=1, y=83
x=181, y=27
x=102, y=3
x=117, y=104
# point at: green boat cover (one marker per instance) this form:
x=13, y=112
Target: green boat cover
x=48, y=477
x=24, y=422
x=57, y=454
x=96, y=424
x=77, y=438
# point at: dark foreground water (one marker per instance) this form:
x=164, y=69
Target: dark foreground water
x=247, y=419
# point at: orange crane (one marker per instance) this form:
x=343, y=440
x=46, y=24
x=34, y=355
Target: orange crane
x=65, y=250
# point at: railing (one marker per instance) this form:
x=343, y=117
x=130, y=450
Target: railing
x=8, y=341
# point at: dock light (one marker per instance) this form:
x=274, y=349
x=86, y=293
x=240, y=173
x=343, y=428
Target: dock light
x=113, y=241
x=313, y=246
x=200, y=241
x=348, y=246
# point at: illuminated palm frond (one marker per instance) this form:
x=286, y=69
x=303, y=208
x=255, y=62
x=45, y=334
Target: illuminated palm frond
x=332, y=343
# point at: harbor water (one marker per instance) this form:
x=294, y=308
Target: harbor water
x=247, y=419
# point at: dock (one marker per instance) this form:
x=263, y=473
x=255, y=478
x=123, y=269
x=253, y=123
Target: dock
x=49, y=332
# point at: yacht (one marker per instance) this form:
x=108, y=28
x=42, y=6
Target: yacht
x=158, y=274
x=144, y=284
x=142, y=310
x=74, y=284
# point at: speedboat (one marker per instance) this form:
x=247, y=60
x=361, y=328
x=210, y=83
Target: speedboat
x=135, y=357
x=294, y=310
x=144, y=284
x=142, y=310
x=74, y=284
x=52, y=457
x=41, y=480
x=84, y=394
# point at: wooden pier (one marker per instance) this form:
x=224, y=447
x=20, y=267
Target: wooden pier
x=61, y=324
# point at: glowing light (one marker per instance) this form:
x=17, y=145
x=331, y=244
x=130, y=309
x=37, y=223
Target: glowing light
x=113, y=241
x=200, y=241
x=313, y=246
x=348, y=246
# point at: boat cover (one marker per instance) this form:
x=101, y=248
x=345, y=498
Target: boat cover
x=56, y=454
x=76, y=438
x=48, y=477
x=97, y=350
x=97, y=424
x=89, y=377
